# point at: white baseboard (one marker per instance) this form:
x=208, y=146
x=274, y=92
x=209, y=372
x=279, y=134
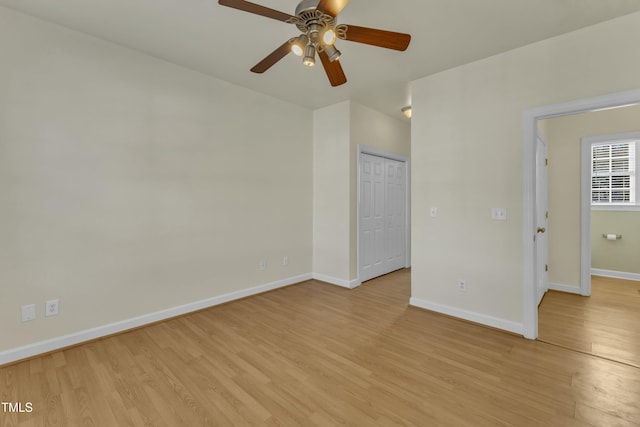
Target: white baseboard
x=471, y=316
x=349, y=284
x=19, y=353
x=615, y=274
x=572, y=289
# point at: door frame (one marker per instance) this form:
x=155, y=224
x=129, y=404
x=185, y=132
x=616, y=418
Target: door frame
x=365, y=149
x=529, y=124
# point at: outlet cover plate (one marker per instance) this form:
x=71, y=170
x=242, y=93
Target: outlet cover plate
x=462, y=285
x=28, y=312
x=499, y=214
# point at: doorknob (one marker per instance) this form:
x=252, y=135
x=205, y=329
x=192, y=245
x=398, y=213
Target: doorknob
x=541, y=230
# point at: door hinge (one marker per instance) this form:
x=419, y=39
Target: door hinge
x=546, y=267
x=546, y=215
x=546, y=162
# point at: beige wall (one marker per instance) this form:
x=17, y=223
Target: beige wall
x=372, y=128
x=616, y=255
x=331, y=192
x=467, y=151
x=564, y=141
x=338, y=129
x=130, y=185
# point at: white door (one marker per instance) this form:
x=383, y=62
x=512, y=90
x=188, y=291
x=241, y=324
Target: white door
x=382, y=216
x=395, y=215
x=542, y=215
x=371, y=216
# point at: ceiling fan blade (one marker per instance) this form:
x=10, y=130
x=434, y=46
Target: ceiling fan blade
x=331, y=7
x=333, y=69
x=272, y=58
x=256, y=8
x=380, y=38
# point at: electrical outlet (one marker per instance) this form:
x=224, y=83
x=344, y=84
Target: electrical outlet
x=462, y=285
x=499, y=214
x=263, y=265
x=434, y=212
x=28, y=312
x=285, y=260
x=51, y=307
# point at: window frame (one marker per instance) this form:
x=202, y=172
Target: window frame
x=612, y=139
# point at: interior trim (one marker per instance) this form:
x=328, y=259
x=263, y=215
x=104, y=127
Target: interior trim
x=483, y=319
x=53, y=344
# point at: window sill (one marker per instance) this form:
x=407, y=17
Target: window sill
x=622, y=208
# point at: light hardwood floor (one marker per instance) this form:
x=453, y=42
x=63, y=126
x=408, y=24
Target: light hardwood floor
x=606, y=324
x=318, y=355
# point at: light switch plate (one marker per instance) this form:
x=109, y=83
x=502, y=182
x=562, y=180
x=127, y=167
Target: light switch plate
x=51, y=307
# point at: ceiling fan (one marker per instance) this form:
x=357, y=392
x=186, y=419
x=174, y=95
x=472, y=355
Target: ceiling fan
x=317, y=22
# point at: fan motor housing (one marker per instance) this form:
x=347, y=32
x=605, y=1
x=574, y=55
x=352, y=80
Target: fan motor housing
x=306, y=5
x=310, y=20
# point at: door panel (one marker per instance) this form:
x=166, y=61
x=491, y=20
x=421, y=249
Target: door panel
x=395, y=215
x=371, y=215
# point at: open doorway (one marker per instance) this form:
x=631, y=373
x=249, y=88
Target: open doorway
x=530, y=189
x=593, y=307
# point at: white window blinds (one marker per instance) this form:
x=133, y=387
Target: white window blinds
x=613, y=167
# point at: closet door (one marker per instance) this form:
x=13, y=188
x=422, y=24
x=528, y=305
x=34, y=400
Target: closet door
x=395, y=214
x=372, y=216
x=382, y=216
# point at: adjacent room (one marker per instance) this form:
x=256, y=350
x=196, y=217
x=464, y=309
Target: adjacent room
x=602, y=147
x=317, y=213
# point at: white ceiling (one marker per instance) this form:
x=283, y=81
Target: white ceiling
x=226, y=43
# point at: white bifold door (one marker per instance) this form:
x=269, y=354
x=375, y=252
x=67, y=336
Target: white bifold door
x=382, y=221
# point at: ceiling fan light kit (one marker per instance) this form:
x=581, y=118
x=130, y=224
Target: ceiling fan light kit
x=317, y=22
x=298, y=44
x=309, y=55
x=329, y=36
x=332, y=52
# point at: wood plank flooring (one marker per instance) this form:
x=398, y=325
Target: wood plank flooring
x=318, y=355
x=606, y=324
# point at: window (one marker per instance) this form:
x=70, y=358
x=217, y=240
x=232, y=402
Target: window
x=613, y=177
